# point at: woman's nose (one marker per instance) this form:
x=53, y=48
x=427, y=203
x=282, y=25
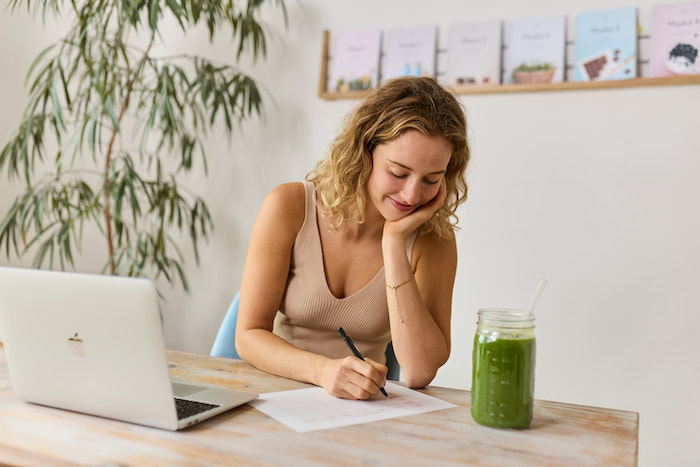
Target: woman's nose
x=411, y=193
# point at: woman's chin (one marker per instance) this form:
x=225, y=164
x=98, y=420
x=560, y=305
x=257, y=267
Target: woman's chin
x=395, y=215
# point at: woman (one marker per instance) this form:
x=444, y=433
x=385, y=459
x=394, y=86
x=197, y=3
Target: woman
x=365, y=243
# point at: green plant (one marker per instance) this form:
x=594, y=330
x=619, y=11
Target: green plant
x=110, y=127
x=525, y=68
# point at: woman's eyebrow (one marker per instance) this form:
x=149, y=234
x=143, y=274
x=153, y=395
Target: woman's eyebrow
x=439, y=172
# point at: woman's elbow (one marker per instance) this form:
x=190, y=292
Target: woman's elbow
x=417, y=381
x=242, y=345
x=417, y=377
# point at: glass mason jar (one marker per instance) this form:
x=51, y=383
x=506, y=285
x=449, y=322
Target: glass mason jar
x=503, y=373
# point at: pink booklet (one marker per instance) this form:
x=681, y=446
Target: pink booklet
x=355, y=61
x=675, y=39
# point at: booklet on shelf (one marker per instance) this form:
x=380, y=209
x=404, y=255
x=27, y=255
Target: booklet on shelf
x=675, y=39
x=606, y=44
x=410, y=52
x=355, y=63
x=474, y=53
x=536, y=50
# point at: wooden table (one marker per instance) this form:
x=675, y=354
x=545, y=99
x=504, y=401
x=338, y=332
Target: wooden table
x=560, y=434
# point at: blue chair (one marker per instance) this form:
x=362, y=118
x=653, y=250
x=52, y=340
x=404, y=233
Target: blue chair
x=225, y=342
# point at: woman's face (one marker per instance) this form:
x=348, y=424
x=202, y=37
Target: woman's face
x=407, y=172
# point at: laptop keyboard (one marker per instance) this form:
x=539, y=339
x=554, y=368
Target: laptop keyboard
x=187, y=408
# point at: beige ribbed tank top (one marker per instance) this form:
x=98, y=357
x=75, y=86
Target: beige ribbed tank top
x=310, y=314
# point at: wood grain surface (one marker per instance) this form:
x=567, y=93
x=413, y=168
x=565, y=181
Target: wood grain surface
x=560, y=434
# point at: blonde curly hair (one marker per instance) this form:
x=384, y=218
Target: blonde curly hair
x=402, y=104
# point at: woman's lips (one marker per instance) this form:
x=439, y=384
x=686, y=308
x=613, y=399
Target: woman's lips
x=400, y=206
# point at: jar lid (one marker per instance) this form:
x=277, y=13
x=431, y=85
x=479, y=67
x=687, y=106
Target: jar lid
x=506, y=318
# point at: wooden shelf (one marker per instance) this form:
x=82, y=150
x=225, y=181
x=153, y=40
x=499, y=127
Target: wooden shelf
x=510, y=88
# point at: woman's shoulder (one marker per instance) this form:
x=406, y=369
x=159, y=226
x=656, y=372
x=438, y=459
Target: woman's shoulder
x=291, y=192
x=287, y=203
x=429, y=243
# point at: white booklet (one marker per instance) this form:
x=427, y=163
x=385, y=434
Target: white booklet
x=474, y=53
x=536, y=50
x=410, y=52
x=313, y=409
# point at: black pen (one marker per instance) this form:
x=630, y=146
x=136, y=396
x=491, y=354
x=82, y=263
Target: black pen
x=357, y=353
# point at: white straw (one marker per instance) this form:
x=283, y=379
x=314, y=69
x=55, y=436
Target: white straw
x=536, y=297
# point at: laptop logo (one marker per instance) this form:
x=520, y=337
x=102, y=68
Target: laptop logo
x=75, y=346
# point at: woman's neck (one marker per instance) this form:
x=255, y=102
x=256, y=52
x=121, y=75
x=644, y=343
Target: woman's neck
x=373, y=224
x=371, y=227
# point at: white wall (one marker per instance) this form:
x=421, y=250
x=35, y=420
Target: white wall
x=596, y=190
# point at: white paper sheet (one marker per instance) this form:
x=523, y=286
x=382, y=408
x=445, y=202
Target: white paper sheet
x=314, y=409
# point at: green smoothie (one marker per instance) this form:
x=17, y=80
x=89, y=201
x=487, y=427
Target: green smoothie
x=503, y=381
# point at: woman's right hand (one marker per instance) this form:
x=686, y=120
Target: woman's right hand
x=352, y=378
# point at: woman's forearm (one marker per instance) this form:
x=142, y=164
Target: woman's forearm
x=268, y=352
x=419, y=343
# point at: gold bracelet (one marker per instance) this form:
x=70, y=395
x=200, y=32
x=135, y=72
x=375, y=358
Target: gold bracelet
x=403, y=283
x=396, y=296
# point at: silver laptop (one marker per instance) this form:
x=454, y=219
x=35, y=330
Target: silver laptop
x=94, y=344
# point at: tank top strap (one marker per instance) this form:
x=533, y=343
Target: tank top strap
x=310, y=204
